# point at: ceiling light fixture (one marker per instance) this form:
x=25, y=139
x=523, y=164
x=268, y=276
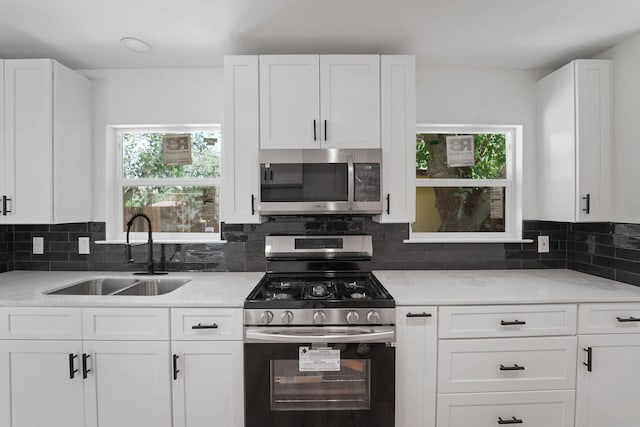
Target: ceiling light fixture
x=135, y=45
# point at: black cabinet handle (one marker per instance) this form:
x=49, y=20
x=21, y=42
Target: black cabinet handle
x=253, y=204
x=388, y=204
x=85, y=371
x=587, y=207
x=419, y=314
x=513, y=420
x=628, y=319
x=201, y=326
x=271, y=175
x=72, y=371
x=315, y=136
x=515, y=367
x=589, y=365
x=513, y=322
x=175, y=367
x=5, y=199
x=325, y=130
x=265, y=175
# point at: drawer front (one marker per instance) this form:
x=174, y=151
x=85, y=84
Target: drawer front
x=507, y=364
x=206, y=324
x=19, y=323
x=622, y=318
x=125, y=324
x=507, y=321
x=534, y=408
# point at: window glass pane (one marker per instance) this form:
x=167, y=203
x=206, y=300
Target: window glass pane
x=451, y=155
x=171, y=155
x=173, y=209
x=460, y=209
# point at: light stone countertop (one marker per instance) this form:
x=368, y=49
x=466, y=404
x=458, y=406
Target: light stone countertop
x=408, y=287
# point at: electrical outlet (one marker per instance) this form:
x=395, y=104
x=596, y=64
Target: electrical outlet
x=543, y=244
x=38, y=245
x=83, y=246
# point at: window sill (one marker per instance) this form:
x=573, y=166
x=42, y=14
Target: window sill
x=466, y=240
x=160, y=241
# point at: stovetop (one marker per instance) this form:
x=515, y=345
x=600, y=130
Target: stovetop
x=319, y=290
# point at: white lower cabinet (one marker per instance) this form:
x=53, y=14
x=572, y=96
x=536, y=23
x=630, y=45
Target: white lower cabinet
x=208, y=367
x=416, y=352
x=38, y=387
x=534, y=408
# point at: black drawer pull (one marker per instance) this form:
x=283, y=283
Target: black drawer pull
x=628, y=319
x=85, y=371
x=419, y=314
x=515, y=367
x=511, y=323
x=201, y=326
x=175, y=367
x=589, y=364
x=72, y=371
x=513, y=420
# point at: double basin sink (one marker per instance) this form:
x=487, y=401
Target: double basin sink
x=126, y=286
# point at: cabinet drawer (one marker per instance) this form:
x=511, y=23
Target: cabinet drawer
x=622, y=318
x=507, y=364
x=507, y=321
x=19, y=323
x=125, y=324
x=206, y=324
x=534, y=408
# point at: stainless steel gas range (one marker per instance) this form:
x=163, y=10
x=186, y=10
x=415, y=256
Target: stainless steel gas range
x=319, y=337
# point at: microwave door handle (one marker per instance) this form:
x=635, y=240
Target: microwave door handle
x=351, y=183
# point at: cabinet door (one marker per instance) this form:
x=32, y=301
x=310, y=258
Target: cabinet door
x=208, y=384
x=36, y=384
x=289, y=101
x=416, y=352
x=398, y=135
x=350, y=101
x=128, y=385
x=28, y=140
x=593, y=136
x=606, y=395
x=239, y=195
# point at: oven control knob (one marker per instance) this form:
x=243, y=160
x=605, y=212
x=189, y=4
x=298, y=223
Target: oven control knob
x=352, y=317
x=287, y=317
x=373, y=317
x=319, y=317
x=266, y=317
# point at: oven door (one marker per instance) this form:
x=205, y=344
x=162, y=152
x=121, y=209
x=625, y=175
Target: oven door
x=353, y=385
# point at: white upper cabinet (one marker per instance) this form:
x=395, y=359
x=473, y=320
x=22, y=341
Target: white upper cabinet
x=45, y=105
x=326, y=101
x=239, y=196
x=574, y=149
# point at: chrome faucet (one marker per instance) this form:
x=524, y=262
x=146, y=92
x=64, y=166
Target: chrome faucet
x=150, y=269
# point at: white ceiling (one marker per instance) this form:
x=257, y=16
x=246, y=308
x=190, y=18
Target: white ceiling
x=518, y=34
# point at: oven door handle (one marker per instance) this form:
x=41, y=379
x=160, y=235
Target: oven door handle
x=351, y=335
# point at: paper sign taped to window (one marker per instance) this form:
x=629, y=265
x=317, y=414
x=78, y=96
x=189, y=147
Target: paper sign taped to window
x=318, y=359
x=460, y=151
x=176, y=149
x=496, y=195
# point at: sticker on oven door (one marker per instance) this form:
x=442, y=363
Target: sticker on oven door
x=318, y=359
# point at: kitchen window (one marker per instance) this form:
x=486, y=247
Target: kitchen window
x=173, y=176
x=468, y=184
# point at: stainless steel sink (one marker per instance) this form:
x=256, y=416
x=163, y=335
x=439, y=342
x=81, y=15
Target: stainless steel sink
x=95, y=286
x=151, y=287
x=120, y=286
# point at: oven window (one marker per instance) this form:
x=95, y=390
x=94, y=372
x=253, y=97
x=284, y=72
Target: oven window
x=347, y=389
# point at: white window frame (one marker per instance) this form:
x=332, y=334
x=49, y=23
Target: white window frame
x=115, y=222
x=512, y=185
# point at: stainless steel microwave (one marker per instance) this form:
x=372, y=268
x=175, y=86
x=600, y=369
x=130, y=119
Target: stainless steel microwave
x=329, y=181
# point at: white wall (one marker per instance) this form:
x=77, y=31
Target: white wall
x=194, y=96
x=626, y=129
x=149, y=97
